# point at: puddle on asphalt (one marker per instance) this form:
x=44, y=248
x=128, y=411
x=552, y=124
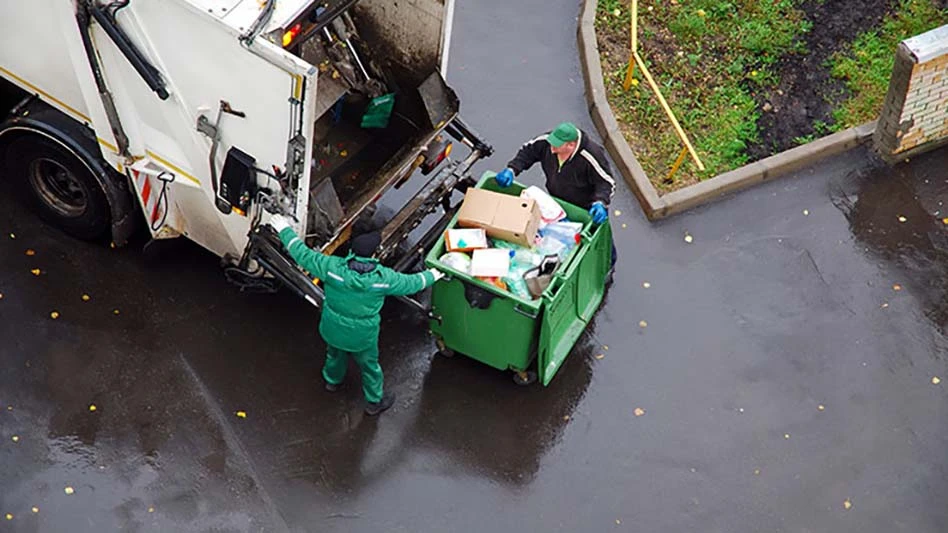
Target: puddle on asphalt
x=899, y=214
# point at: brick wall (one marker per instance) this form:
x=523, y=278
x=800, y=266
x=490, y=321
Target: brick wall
x=914, y=118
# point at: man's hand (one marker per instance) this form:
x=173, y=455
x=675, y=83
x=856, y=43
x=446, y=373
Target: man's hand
x=436, y=273
x=505, y=177
x=598, y=213
x=279, y=223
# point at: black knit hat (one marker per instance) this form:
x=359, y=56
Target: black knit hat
x=365, y=245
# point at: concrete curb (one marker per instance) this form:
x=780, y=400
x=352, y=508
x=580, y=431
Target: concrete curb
x=656, y=206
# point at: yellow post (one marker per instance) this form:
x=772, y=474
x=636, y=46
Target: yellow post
x=635, y=24
x=627, y=84
x=668, y=111
x=678, y=162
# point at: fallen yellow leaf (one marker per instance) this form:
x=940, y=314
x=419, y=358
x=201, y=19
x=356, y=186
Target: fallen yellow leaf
x=902, y=219
x=944, y=221
x=68, y=490
x=646, y=284
x=241, y=414
x=604, y=347
x=151, y=509
x=115, y=311
x=12, y=236
x=600, y=355
x=54, y=315
x=896, y=287
x=884, y=305
x=30, y=252
x=15, y=438
x=936, y=380
x=847, y=504
x=92, y=407
x=820, y=407
x=35, y=510
x=806, y=212
x=639, y=411
x=624, y=225
x=618, y=521
x=700, y=12
x=689, y=238
x=86, y=297
x=565, y=417
x=757, y=472
x=9, y=516
x=786, y=435
x=36, y=271
x=618, y=213
x=643, y=323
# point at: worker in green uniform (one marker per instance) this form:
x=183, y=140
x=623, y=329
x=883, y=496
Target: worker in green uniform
x=355, y=288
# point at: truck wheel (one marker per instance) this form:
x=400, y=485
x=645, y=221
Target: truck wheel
x=60, y=186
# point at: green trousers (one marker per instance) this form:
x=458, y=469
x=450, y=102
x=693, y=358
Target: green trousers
x=337, y=361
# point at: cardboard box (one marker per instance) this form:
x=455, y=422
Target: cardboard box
x=502, y=216
x=465, y=240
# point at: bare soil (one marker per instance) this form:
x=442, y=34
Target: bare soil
x=807, y=93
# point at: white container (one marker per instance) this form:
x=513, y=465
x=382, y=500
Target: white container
x=490, y=263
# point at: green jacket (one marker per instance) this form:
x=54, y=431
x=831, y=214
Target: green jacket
x=354, y=298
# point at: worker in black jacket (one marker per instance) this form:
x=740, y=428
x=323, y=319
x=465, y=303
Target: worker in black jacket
x=575, y=166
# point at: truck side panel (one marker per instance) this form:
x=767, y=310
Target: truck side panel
x=36, y=41
x=203, y=63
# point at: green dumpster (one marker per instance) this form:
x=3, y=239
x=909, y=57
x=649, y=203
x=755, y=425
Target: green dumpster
x=507, y=332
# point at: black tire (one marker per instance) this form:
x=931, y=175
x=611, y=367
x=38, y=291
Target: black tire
x=59, y=186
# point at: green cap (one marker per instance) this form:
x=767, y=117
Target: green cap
x=564, y=133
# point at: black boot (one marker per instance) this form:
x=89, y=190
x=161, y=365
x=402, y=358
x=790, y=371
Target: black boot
x=372, y=409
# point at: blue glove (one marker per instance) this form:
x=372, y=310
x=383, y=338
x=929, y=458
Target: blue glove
x=505, y=177
x=598, y=213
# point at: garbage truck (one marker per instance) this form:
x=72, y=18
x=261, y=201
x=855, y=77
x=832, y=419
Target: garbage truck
x=199, y=119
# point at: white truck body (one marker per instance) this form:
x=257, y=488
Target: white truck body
x=196, y=46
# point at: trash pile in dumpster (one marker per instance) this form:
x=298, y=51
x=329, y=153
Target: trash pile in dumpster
x=514, y=243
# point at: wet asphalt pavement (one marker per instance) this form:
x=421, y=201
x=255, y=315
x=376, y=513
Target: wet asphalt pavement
x=785, y=301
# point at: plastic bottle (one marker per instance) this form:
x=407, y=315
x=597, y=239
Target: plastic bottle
x=565, y=231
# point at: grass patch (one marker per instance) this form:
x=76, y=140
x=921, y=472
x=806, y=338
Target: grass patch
x=867, y=66
x=710, y=58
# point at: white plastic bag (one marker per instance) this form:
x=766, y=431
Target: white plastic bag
x=550, y=210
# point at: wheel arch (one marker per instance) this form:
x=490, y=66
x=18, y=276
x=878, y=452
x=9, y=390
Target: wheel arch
x=38, y=118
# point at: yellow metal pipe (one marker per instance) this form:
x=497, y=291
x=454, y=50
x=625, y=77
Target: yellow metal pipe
x=678, y=162
x=668, y=111
x=635, y=26
x=627, y=83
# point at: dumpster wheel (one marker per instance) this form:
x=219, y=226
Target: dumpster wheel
x=524, y=378
x=443, y=350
